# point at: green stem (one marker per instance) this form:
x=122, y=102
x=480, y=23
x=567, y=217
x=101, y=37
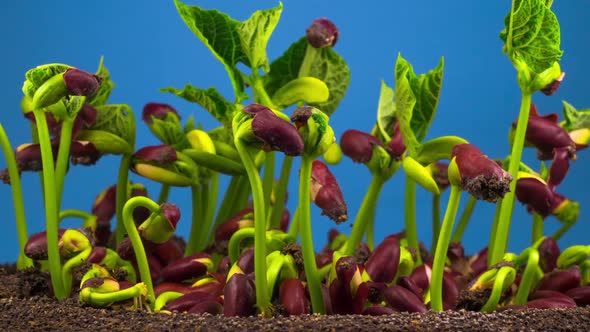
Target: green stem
x=363, y=215
x=233, y=246
x=308, y=59
x=228, y=201
x=211, y=205
x=17, y=199
x=281, y=192
x=309, y=263
x=501, y=238
x=197, y=209
x=410, y=218
x=268, y=180
x=63, y=157
x=122, y=195
x=140, y=255
x=69, y=266
x=242, y=196
x=464, y=219
x=262, y=296
x=73, y=213
x=498, y=288
x=164, y=192
x=50, y=205
x=438, y=265
x=435, y=221
x=494, y=230
x=529, y=278
x=371, y=232
x=538, y=223
x=260, y=94
x=294, y=227
x=559, y=233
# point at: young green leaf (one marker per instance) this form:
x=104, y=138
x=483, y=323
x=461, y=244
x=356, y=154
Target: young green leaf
x=254, y=34
x=416, y=100
x=106, y=85
x=219, y=33
x=210, y=99
x=35, y=77
x=386, y=111
x=74, y=104
x=531, y=35
x=170, y=133
x=327, y=66
x=575, y=119
x=113, y=119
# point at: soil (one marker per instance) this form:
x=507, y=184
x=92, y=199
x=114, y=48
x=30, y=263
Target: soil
x=24, y=307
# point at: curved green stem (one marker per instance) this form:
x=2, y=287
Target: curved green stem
x=501, y=237
x=438, y=265
x=268, y=180
x=363, y=215
x=164, y=298
x=435, y=221
x=260, y=94
x=538, y=223
x=309, y=263
x=197, y=219
x=280, y=193
x=308, y=59
x=464, y=219
x=164, y=192
x=410, y=218
x=122, y=195
x=73, y=213
x=69, y=266
x=233, y=246
x=140, y=255
x=23, y=261
x=562, y=230
x=503, y=278
x=262, y=296
x=50, y=205
x=530, y=276
x=63, y=157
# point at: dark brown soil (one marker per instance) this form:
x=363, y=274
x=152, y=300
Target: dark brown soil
x=40, y=313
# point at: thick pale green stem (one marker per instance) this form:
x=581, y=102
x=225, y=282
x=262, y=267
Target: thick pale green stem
x=164, y=192
x=268, y=180
x=363, y=215
x=122, y=195
x=559, y=233
x=503, y=231
x=197, y=219
x=140, y=255
x=211, y=205
x=51, y=213
x=281, y=193
x=308, y=59
x=371, y=232
x=309, y=263
x=464, y=219
x=435, y=222
x=494, y=230
x=23, y=261
x=233, y=246
x=262, y=296
x=438, y=265
x=538, y=223
x=410, y=218
x=63, y=158
x=294, y=227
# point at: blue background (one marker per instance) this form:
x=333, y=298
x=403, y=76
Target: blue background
x=147, y=46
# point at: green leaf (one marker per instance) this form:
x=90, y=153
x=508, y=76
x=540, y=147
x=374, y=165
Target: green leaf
x=210, y=99
x=254, y=34
x=115, y=119
x=35, y=77
x=531, y=35
x=575, y=119
x=106, y=85
x=386, y=111
x=416, y=100
x=74, y=104
x=327, y=66
x=219, y=33
x=170, y=132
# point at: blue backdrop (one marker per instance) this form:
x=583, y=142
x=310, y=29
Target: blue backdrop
x=147, y=46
